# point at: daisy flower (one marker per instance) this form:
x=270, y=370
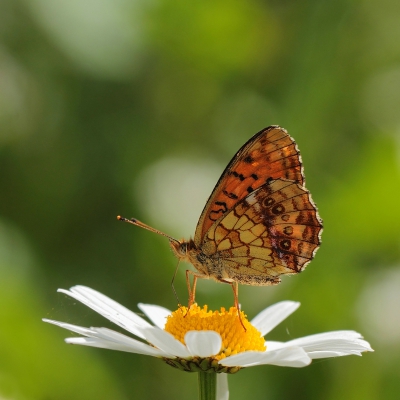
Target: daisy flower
x=204, y=341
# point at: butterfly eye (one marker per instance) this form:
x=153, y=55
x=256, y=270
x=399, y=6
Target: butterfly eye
x=183, y=248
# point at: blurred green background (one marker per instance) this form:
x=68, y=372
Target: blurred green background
x=134, y=107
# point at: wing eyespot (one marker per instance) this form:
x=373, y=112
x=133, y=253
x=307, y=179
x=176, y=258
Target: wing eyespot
x=285, y=244
x=278, y=209
x=268, y=202
x=288, y=230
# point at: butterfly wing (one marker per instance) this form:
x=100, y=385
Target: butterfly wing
x=274, y=230
x=269, y=154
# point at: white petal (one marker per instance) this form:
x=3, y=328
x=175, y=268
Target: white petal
x=166, y=342
x=157, y=315
x=141, y=348
x=329, y=335
x=336, y=343
x=108, y=308
x=289, y=357
x=293, y=356
x=108, y=339
x=222, y=387
x=73, y=328
x=327, y=354
x=272, y=316
x=108, y=334
x=203, y=343
x=246, y=359
x=271, y=345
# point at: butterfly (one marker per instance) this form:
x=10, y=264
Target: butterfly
x=259, y=222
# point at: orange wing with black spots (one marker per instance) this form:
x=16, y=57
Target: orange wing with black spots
x=269, y=154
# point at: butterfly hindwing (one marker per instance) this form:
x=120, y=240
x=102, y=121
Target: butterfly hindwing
x=274, y=230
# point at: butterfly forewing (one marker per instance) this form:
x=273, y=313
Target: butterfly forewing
x=270, y=154
x=274, y=230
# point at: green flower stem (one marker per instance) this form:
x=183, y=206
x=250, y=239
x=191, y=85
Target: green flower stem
x=207, y=385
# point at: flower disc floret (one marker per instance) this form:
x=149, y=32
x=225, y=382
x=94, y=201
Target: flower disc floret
x=225, y=322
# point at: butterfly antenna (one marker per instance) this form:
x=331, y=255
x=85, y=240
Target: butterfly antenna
x=136, y=222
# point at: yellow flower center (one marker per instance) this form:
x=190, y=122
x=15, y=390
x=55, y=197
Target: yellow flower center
x=234, y=338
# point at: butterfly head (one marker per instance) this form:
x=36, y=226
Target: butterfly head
x=180, y=248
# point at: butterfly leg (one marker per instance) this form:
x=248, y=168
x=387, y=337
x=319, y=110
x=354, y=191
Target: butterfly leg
x=235, y=288
x=191, y=289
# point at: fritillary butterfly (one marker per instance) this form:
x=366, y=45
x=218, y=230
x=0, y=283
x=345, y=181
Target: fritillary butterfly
x=258, y=223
